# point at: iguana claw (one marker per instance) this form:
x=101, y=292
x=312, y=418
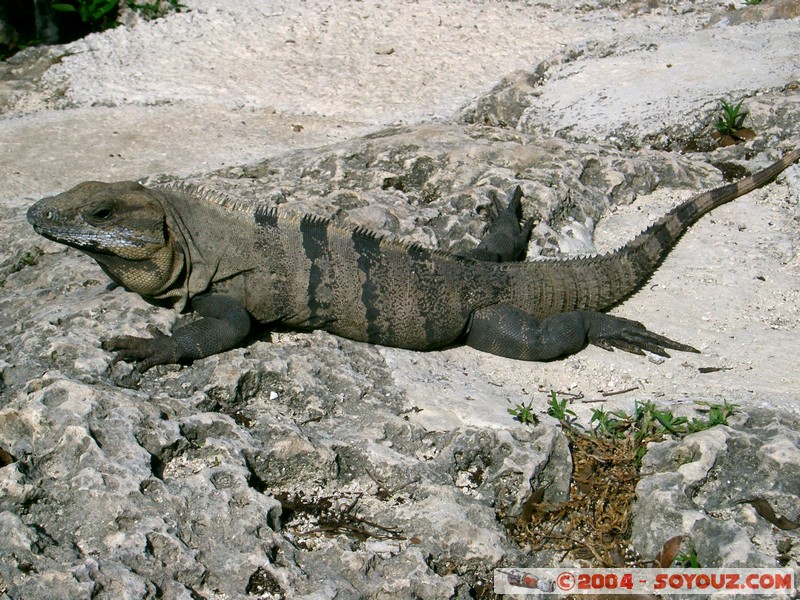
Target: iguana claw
x=159, y=349
x=610, y=332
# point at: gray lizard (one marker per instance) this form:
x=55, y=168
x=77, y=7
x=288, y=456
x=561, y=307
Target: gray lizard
x=231, y=261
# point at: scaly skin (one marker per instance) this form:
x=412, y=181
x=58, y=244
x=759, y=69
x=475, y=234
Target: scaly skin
x=231, y=261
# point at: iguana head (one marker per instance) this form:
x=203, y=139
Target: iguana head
x=123, y=226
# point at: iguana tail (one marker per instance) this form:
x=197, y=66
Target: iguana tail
x=600, y=282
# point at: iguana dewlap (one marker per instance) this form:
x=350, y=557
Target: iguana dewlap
x=232, y=261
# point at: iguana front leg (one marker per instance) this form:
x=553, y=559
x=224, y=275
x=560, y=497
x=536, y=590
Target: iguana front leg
x=511, y=332
x=223, y=325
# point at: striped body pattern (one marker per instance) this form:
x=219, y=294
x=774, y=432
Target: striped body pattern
x=353, y=283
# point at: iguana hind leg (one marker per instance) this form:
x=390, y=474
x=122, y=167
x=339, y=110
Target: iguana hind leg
x=224, y=324
x=508, y=331
x=506, y=240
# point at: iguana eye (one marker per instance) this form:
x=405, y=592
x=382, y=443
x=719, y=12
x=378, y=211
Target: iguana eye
x=100, y=214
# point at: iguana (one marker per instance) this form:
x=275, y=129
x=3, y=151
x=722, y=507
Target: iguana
x=231, y=261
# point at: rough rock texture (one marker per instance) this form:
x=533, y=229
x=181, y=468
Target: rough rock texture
x=435, y=184
x=563, y=92
x=699, y=486
x=175, y=486
x=307, y=466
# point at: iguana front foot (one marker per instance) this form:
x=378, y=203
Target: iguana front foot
x=160, y=349
x=224, y=325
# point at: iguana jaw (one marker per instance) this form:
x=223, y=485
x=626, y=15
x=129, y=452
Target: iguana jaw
x=119, y=225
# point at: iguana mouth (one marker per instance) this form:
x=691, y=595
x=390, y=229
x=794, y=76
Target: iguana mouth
x=49, y=223
x=64, y=234
x=46, y=222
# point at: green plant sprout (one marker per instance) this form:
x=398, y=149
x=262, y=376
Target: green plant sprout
x=558, y=410
x=645, y=424
x=609, y=424
x=90, y=11
x=153, y=10
x=687, y=560
x=524, y=414
x=731, y=120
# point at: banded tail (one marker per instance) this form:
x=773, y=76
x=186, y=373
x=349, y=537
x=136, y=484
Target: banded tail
x=600, y=282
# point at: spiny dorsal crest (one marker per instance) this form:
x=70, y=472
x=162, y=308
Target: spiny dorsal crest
x=265, y=214
x=201, y=193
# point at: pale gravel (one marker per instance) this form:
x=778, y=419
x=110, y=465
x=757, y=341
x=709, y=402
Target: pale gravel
x=232, y=82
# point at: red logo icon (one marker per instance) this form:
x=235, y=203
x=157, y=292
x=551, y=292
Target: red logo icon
x=565, y=581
